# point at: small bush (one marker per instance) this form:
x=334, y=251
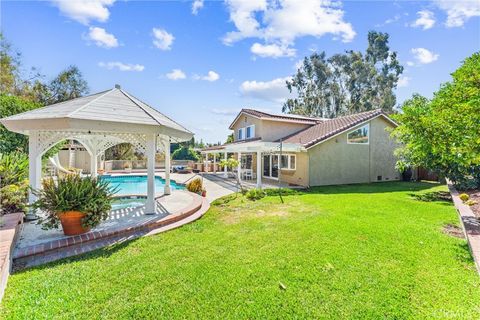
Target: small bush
x=470, y=202
x=13, y=182
x=464, y=197
x=195, y=185
x=255, y=194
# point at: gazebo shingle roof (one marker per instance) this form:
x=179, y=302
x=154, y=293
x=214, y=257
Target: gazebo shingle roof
x=111, y=105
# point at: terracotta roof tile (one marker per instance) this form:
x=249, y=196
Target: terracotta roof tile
x=327, y=128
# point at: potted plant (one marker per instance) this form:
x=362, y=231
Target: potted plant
x=196, y=186
x=127, y=166
x=77, y=203
x=204, y=193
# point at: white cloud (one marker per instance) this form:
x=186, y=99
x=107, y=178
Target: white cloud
x=102, y=38
x=459, y=12
x=84, y=11
x=196, y=6
x=426, y=19
x=410, y=63
x=176, y=74
x=162, y=39
x=281, y=22
x=211, y=76
x=274, y=90
x=403, y=81
x=424, y=56
x=121, y=66
x=272, y=50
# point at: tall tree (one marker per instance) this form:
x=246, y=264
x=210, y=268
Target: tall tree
x=443, y=134
x=346, y=83
x=68, y=84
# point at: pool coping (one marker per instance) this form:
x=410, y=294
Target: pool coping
x=55, y=245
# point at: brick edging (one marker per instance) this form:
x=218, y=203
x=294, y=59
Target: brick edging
x=8, y=235
x=470, y=225
x=53, y=245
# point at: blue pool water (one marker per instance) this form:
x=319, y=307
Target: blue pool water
x=138, y=184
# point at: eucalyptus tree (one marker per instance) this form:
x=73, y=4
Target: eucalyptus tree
x=346, y=83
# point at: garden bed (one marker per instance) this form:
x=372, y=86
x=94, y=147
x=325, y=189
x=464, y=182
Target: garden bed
x=475, y=196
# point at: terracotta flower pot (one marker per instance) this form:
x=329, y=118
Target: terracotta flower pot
x=204, y=193
x=72, y=223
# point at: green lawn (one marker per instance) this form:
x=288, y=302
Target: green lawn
x=362, y=251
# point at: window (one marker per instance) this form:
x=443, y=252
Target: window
x=250, y=132
x=288, y=161
x=359, y=136
x=240, y=133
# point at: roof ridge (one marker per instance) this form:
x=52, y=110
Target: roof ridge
x=149, y=113
x=103, y=93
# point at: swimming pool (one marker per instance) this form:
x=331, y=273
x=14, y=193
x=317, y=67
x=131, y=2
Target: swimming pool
x=127, y=185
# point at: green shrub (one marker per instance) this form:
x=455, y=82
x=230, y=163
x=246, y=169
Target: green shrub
x=13, y=182
x=185, y=153
x=195, y=185
x=470, y=202
x=91, y=196
x=255, y=194
x=464, y=197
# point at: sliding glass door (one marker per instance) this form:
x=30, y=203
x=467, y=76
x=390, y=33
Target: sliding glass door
x=270, y=166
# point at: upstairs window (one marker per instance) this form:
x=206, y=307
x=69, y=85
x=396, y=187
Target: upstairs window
x=250, y=132
x=241, y=135
x=359, y=136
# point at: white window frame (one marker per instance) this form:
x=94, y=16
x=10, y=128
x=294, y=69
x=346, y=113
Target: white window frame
x=252, y=131
x=242, y=131
x=368, y=135
x=289, y=162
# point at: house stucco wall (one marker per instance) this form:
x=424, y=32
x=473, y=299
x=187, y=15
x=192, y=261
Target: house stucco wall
x=274, y=130
x=336, y=162
x=299, y=176
x=245, y=121
x=266, y=129
x=382, y=151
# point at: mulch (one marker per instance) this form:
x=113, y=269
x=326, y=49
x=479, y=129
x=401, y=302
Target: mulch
x=475, y=196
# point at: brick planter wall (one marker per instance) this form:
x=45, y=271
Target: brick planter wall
x=12, y=224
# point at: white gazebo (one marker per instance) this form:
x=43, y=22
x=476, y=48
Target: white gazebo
x=98, y=122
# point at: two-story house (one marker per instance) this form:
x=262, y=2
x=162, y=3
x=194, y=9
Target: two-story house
x=309, y=151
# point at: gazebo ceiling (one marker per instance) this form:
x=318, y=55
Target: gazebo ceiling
x=111, y=111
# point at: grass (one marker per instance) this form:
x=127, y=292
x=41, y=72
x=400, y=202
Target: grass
x=361, y=251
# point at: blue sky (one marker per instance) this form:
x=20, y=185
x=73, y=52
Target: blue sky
x=200, y=62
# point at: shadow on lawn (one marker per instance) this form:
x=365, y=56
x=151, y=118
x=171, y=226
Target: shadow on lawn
x=374, y=187
x=104, y=252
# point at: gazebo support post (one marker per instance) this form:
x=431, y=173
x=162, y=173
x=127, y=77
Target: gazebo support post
x=239, y=168
x=215, y=163
x=35, y=165
x=150, y=151
x=225, y=168
x=167, y=190
x=259, y=169
x=93, y=164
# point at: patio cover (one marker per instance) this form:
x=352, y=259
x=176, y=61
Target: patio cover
x=98, y=122
x=252, y=146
